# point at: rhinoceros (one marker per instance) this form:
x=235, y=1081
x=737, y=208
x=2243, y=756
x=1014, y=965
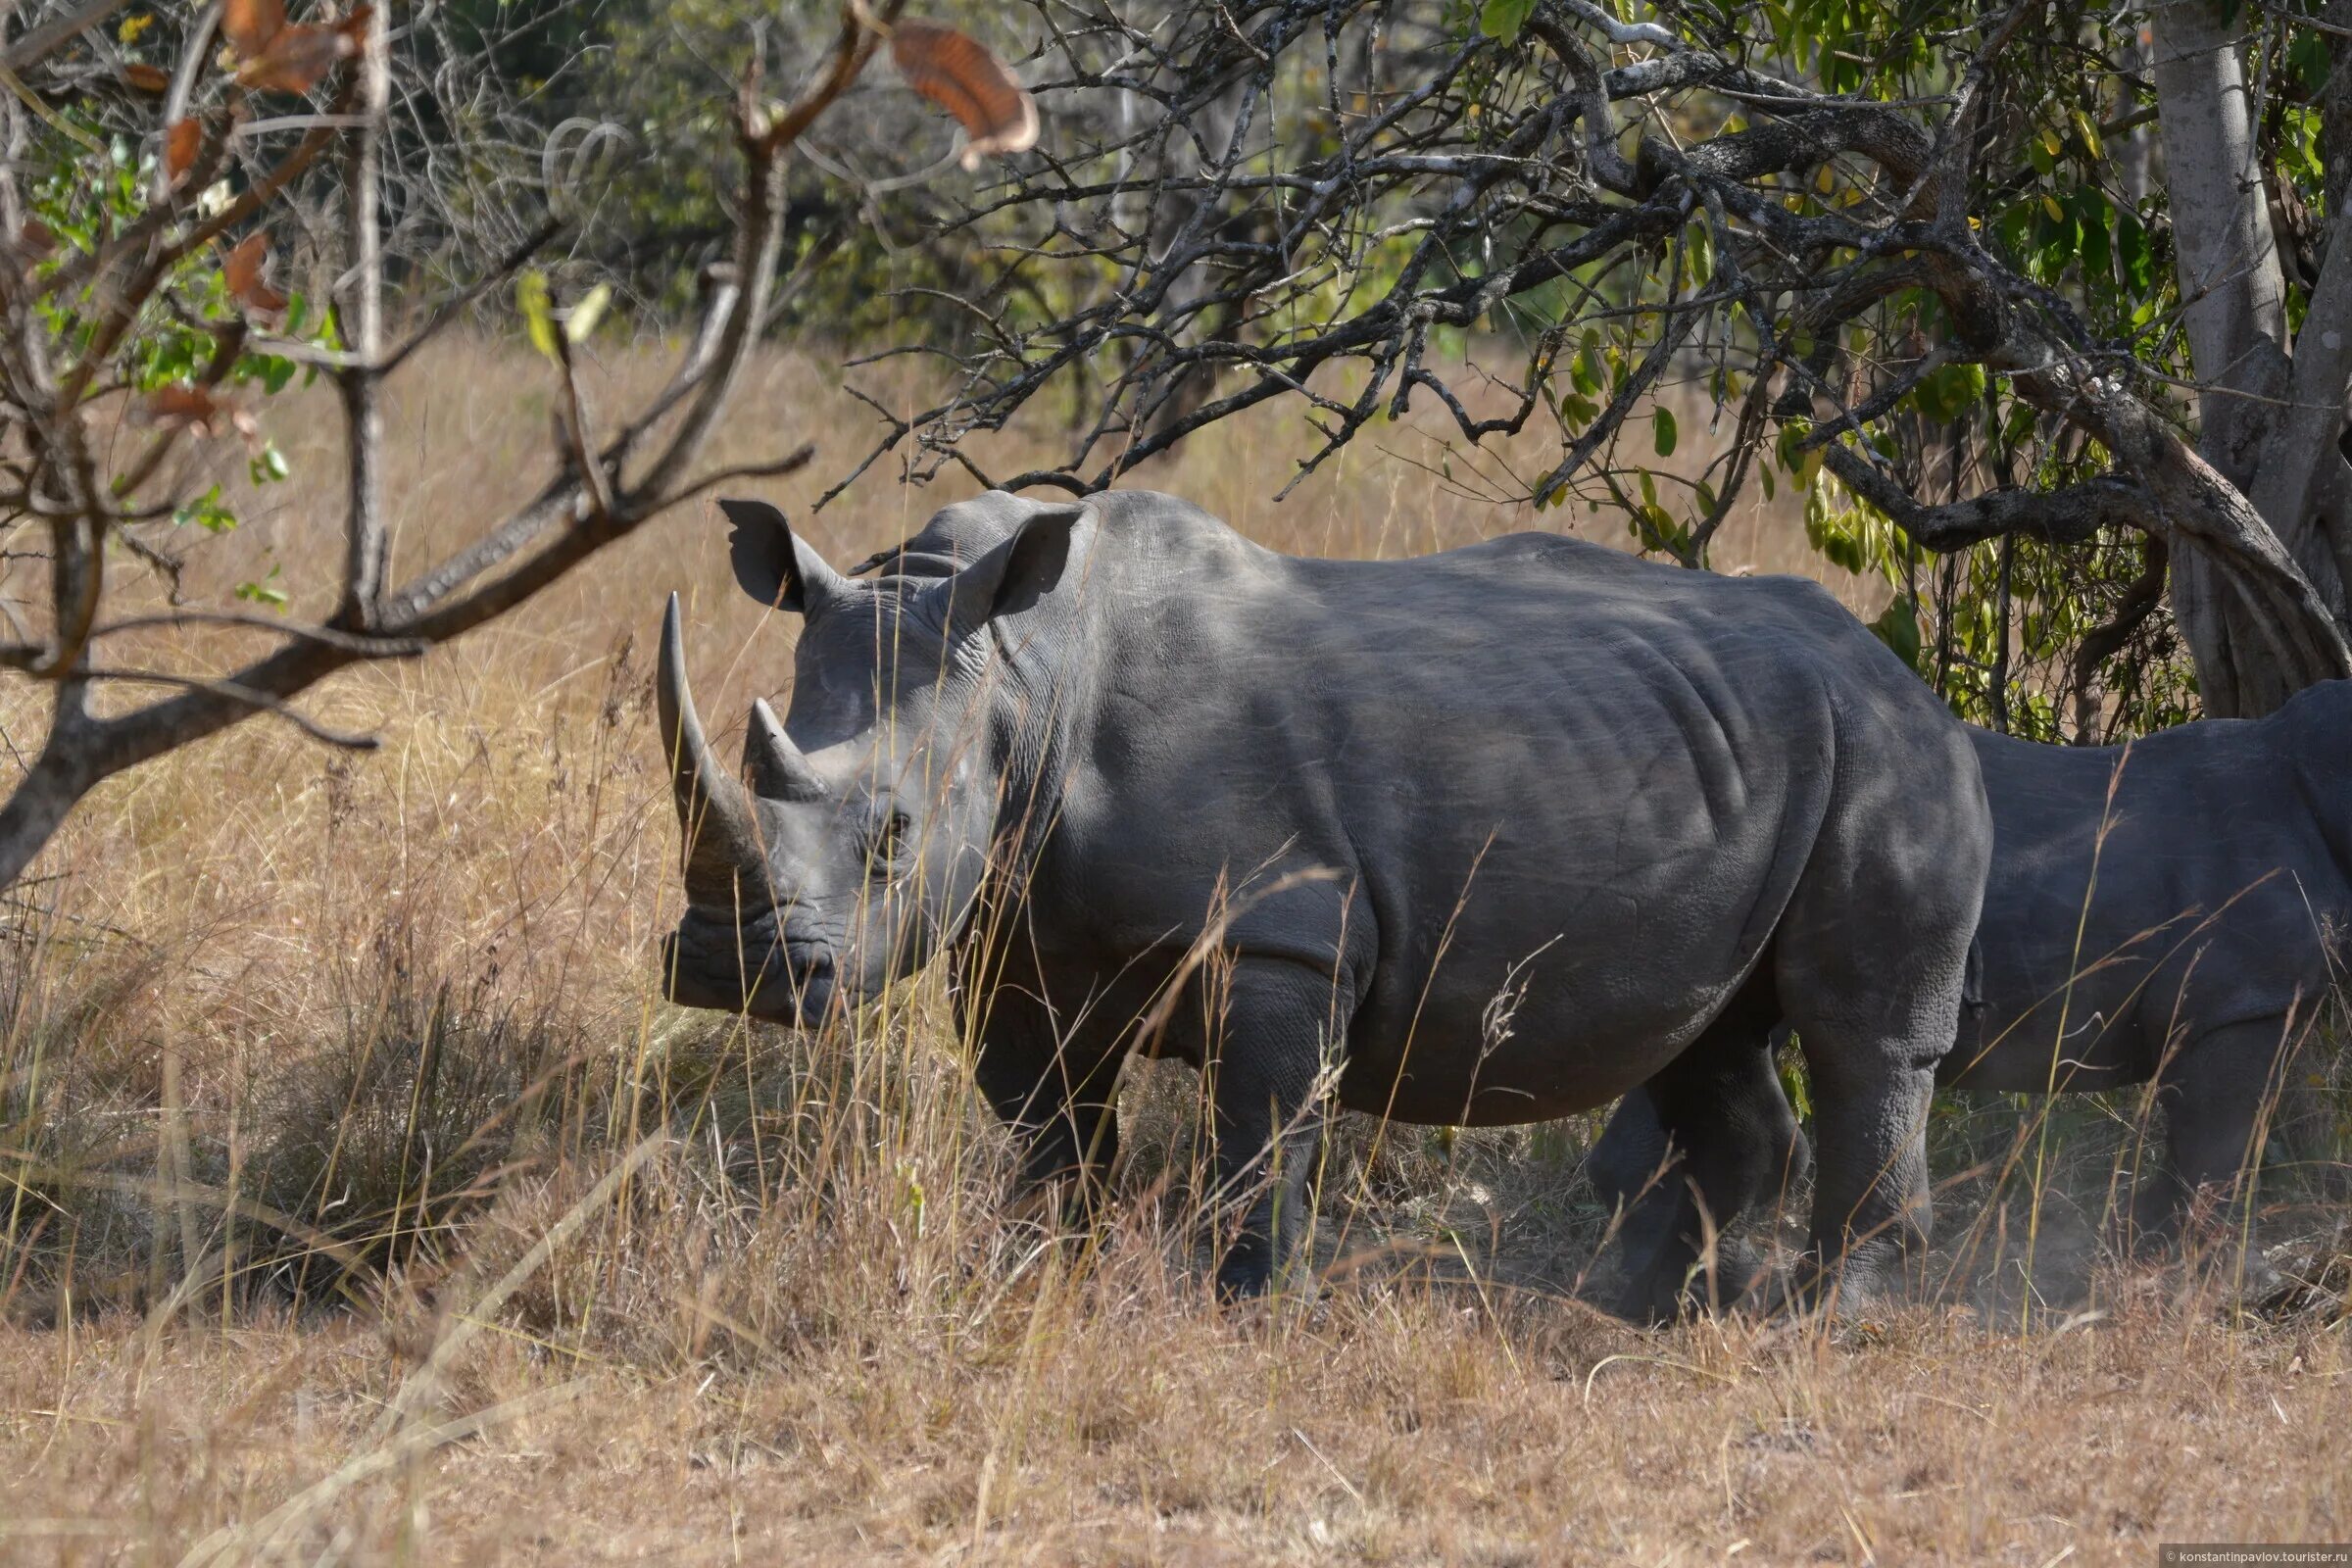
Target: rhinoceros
x=2168, y=911
x=1481, y=837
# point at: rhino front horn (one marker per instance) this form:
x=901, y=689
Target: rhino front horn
x=721, y=843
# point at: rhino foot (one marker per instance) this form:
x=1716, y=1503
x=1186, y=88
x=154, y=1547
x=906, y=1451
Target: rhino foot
x=2245, y=1277
x=1668, y=1291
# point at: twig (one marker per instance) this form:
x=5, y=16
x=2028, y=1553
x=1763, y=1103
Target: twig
x=246, y=696
x=53, y=34
x=450, y=309
x=326, y=636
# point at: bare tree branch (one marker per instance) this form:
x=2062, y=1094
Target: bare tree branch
x=362, y=311
x=54, y=35
x=596, y=496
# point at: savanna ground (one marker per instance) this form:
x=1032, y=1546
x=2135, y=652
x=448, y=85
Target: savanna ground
x=360, y=1202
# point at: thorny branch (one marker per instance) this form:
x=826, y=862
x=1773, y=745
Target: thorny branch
x=51, y=471
x=1208, y=255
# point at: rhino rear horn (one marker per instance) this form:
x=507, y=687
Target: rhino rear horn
x=722, y=844
x=778, y=770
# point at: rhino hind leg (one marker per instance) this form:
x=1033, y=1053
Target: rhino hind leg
x=2216, y=1094
x=1687, y=1153
x=1871, y=970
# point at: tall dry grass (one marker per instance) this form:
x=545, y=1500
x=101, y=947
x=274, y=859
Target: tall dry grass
x=362, y=1202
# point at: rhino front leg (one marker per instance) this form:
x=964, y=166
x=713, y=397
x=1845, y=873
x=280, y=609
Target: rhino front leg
x=1686, y=1154
x=1058, y=1100
x=1279, y=1022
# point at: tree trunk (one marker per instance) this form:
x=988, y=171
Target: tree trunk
x=2235, y=315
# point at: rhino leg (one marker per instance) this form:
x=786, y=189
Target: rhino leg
x=1876, y=1005
x=1691, y=1152
x=2216, y=1094
x=1871, y=1201
x=1279, y=1020
x=1056, y=1097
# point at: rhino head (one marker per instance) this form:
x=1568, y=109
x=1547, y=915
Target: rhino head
x=856, y=850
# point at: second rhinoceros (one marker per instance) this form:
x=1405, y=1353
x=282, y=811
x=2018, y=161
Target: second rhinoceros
x=2168, y=912
x=1304, y=821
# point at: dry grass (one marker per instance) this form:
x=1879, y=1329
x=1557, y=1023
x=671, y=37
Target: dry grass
x=363, y=1205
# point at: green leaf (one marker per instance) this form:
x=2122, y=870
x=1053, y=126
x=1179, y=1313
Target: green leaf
x=1701, y=253
x=538, y=314
x=1656, y=529
x=1662, y=429
x=1584, y=372
x=585, y=313
x=2308, y=56
x=2098, y=259
x=1502, y=18
x=2088, y=134
x=267, y=466
x=1950, y=392
x=2133, y=252
x=1788, y=445
x=1899, y=629
x=1796, y=1085
x=265, y=592
x=206, y=512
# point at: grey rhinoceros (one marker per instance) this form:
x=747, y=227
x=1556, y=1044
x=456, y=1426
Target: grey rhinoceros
x=1303, y=822
x=2167, y=912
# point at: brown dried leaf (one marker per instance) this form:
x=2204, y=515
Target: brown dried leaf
x=147, y=78
x=183, y=139
x=36, y=240
x=961, y=77
x=250, y=25
x=299, y=58
x=242, y=274
x=199, y=410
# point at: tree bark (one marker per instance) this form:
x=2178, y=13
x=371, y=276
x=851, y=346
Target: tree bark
x=2234, y=311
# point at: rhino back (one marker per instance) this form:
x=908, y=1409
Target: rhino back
x=1532, y=766
x=2180, y=883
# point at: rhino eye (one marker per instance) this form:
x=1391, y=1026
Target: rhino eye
x=889, y=842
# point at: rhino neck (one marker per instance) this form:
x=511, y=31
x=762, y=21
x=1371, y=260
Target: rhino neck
x=1041, y=709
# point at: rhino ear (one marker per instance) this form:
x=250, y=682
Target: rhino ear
x=1013, y=575
x=774, y=564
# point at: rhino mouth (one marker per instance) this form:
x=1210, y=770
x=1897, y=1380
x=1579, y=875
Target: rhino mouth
x=749, y=969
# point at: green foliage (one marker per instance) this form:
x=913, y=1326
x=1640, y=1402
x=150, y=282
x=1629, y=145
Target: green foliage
x=657, y=208
x=2050, y=199
x=1502, y=18
x=265, y=591
x=531, y=297
x=89, y=184
x=207, y=513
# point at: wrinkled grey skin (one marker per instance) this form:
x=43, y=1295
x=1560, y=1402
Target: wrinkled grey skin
x=2218, y=918
x=1377, y=796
